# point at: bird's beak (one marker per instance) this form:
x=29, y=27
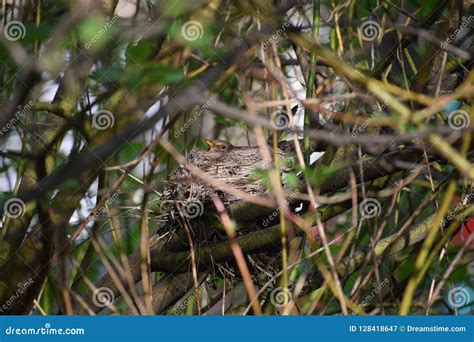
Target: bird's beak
x=209, y=143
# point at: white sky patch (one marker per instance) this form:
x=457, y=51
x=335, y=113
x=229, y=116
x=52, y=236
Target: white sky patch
x=126, y=8
x=153, y=109
x=49, y=90
x=87, y=203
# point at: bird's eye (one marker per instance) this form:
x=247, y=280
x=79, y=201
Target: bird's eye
x=222, y=147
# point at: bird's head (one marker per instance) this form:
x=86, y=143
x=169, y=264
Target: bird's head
x=219, y=145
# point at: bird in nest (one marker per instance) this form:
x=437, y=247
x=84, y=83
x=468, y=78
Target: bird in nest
x=240, y=167
x=188, y=199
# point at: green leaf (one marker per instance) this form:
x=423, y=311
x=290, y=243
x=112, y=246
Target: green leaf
x=90, y=27
x=317, y=177
x=162, y=74
x=96, y=31
x=139, y=52
x=105, y=75
x=133, y=78
x=291, y=180
x=33, y=33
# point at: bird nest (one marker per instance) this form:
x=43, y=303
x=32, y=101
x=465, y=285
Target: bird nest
x=231, y=175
